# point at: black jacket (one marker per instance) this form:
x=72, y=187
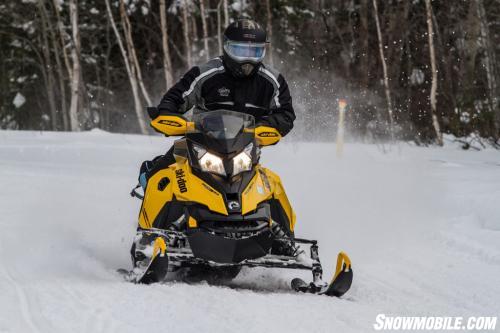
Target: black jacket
x=264, y=95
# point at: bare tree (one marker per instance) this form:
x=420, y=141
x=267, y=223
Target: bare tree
x=76, y=74
x=60, y=27
x=131, y=50
x=130, y=72
x=269, y=27
x=167, y=64
x=384, y=67
x=435, y=121
x=50, y=80
x=61, y=34
x=219, y=33
x=364, y=33
x=185, y=26
x=489, y=64
x=205, y=29
x=60, y=74
x=226, y=13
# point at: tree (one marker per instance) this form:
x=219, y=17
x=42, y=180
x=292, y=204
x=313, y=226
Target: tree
x=384, y=68
x=167, y=65
x=205, y=29
x=130, y=71
x=75, y=74
x=185, y=28
x=432, y=54
x=269, y=28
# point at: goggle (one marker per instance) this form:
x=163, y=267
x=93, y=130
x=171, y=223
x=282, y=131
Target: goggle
x=245, y=51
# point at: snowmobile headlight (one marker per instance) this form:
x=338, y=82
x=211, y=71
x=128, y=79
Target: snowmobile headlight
x=212, y=163
x=243, y=161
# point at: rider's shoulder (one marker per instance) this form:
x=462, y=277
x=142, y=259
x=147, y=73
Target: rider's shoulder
x=214, y=64
x=270, y=72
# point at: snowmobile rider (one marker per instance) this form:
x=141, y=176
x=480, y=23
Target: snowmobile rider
x=237, y=81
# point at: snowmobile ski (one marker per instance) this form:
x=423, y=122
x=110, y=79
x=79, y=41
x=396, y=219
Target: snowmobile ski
x=150, y=269
x=338, y=286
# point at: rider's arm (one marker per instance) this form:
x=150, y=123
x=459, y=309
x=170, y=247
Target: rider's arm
x=178, y=98
x=281, y=114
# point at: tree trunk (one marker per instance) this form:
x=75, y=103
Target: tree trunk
x=205, y=29
x=435, y=121
x=61, y=77
x=446, y=62
x=60, y=29
x=107, y=76
x=219, y=32
x=384, y=67
x=185, y=25
x=76, y=75
x=131, y=51
x=61, y=36
x=364, y=33
x=269, y=27
x=130, y=72
x=50, y=84
x=167, y=65
x=490, y=66
x=226, y=14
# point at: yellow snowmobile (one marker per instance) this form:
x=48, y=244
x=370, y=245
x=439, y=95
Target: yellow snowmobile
x=217, y=209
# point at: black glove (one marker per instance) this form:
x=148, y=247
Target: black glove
x=153, y=112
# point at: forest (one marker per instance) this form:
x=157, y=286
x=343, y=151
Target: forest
x=409, y=69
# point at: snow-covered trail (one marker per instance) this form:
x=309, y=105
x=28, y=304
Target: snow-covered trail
x=422, y=226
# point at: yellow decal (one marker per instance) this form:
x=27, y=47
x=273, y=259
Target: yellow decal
x=169, y=123
x=268, y=135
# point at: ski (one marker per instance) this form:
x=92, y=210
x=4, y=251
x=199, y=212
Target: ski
x=338, y=286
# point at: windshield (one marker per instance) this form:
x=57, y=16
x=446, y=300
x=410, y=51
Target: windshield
x=223, y=124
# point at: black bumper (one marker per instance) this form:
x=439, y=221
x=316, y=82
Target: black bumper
x=221, y=249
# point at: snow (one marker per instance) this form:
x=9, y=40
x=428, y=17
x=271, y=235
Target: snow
x=19, y=100
x=421, y=225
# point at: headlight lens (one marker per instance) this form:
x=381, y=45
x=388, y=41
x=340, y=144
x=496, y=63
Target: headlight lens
x=211, y=163
x=214, y=164
x=243, y=161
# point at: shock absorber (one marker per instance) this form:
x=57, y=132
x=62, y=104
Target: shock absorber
x=290, y=248
x=317, y=270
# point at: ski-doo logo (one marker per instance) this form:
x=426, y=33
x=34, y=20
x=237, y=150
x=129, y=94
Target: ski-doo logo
x=181, y=182
x=224, y=92
x=268, y=134
x=169, y=123
x=233, y=205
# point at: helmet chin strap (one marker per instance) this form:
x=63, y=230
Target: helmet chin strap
x=247, y=69
x=240, y=70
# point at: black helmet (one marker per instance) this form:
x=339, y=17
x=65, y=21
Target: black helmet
x=244, y=47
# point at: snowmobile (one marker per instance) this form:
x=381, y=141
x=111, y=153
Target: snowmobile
x=217, y=209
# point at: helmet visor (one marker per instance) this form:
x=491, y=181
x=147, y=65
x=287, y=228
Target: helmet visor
x=242, y=52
